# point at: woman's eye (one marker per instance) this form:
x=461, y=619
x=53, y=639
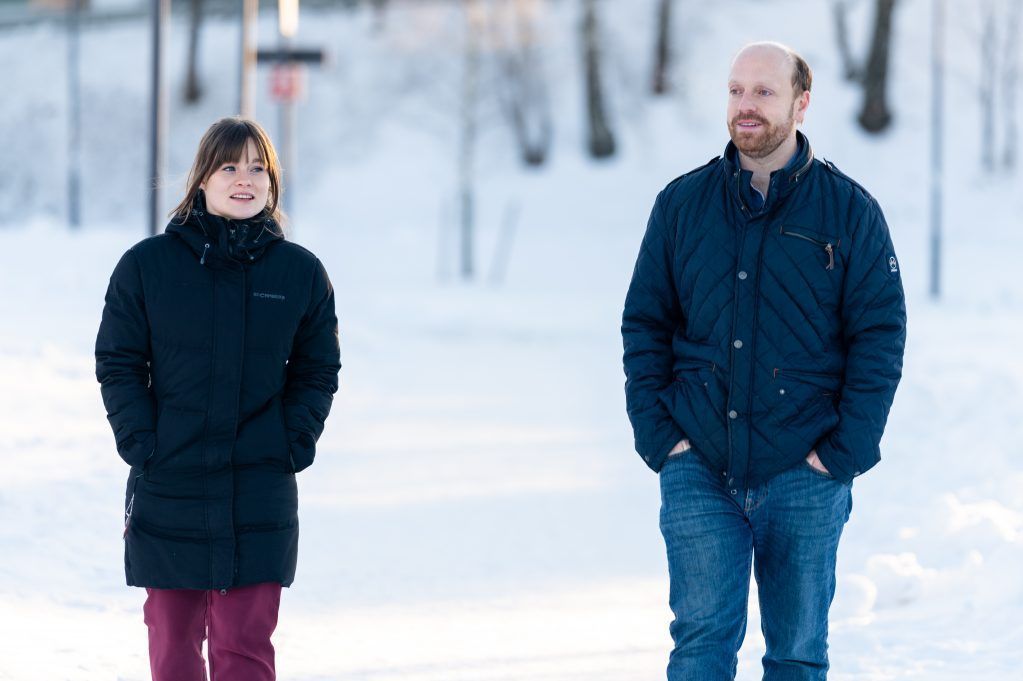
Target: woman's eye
x=257, y=169
x=228, y=169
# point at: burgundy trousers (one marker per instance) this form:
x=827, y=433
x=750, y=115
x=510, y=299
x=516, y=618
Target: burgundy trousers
x=238, y=623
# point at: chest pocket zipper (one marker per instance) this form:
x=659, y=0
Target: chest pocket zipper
x=828, y=246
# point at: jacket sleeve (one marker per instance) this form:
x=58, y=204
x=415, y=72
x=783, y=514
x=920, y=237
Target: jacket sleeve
x=122, y=363
x=312, y=371
x=874, y=329
x=652, y=315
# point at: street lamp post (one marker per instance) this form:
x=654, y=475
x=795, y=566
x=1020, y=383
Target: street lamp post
x=937, y=138
x=158, y=112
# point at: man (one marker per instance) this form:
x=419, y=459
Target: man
x=764, y=330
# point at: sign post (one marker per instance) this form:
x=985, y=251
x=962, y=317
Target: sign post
x=287, y=87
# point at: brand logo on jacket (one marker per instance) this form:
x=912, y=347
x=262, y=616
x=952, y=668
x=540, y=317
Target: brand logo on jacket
x=893, y=264
x=267, y=296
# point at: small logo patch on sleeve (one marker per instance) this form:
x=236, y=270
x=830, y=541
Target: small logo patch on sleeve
x=893, y=265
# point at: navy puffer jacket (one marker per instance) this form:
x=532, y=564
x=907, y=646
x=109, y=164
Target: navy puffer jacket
x=760, y=335
x=218, y=358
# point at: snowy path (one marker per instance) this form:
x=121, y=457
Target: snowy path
x=476, y=511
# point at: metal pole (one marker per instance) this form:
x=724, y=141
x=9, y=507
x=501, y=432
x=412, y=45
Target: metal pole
x=937, y=137
x=74, y=208
x=290, y=156
x=247, y=58
x=158, y=112
x=286, y=125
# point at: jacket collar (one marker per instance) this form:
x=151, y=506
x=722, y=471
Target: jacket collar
x=221, y=241
x=783, y=182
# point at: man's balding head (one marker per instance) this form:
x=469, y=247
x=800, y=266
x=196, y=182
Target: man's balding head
x=766, y=51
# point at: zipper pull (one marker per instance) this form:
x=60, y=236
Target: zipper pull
x=202, y=260
x=831, y=256
x=127, y=514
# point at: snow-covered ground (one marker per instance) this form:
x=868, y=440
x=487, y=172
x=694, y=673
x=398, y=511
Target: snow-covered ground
x=476, y=510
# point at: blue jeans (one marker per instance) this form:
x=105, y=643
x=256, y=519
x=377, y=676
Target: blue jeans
x=787, y=530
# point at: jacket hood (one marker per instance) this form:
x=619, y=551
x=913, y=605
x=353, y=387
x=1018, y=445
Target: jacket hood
x=218, y=239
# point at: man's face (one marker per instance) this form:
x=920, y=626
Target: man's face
x=763, y=110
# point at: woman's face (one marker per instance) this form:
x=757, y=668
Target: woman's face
x=240, y=189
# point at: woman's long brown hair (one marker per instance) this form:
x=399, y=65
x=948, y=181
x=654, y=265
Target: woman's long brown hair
x=225, y=142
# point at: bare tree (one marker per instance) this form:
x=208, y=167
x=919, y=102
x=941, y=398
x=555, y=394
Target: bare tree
x=601, y=139
x=193, y=89
x=468, y=132
x=986, y=91
x=851, y=68
x=524, y=95
x=379, y=14
x=662, y=49
x=875, y=115
x=1010, y=82
x=998, y=82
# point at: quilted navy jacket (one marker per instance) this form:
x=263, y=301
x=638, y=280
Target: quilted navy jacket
x=760, y=335
x=218, y=359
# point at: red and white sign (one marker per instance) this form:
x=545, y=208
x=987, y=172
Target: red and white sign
x=287, y=82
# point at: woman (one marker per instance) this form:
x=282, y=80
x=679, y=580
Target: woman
x=218, y=358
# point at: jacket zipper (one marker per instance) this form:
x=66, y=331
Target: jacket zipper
x=738, y=194
x=828, y=247
x=130, y=505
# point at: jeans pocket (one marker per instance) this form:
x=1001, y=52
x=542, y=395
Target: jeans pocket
x=818, y=473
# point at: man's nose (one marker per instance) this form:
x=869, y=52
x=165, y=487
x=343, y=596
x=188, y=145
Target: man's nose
x=747, y=104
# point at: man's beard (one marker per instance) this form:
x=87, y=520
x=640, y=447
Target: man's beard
x=765, y=140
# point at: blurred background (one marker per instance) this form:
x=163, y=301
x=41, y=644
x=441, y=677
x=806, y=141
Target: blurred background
x=476, y=175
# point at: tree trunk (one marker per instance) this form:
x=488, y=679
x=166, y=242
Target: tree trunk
x=1010, y=81
x=875, y=116
x=467, y=136
x=601, y=139
x=525, y=95
x=662, y=51
x=193, y=90
x=379, y=14
x=986, y=92
x=851, y=70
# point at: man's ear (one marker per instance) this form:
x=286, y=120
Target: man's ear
x=801, y=104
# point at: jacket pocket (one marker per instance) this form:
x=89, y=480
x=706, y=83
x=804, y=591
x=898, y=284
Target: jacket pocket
x=286, y=438
x=828, y=383
x=800, y=398
x=687, y=365
x=179, y=435
x=826, y=244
